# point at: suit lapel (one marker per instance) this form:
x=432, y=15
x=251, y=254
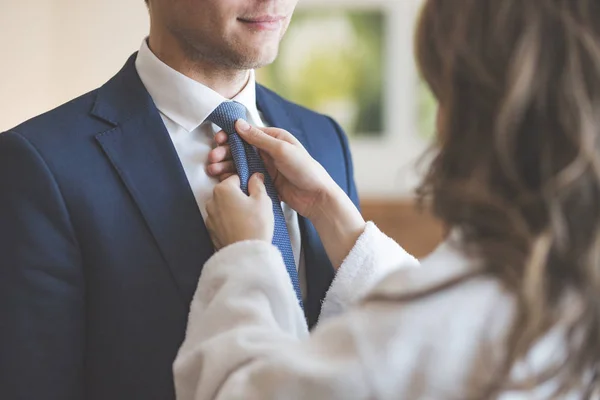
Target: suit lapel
x=141, y=151
x=319, y=271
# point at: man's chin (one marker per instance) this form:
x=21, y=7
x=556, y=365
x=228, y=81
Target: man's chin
x=255, y=61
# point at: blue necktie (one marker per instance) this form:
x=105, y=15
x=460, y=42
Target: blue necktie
x=248, y=162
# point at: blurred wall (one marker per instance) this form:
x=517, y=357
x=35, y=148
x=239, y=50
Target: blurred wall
x=27, y=42
x=55, y=50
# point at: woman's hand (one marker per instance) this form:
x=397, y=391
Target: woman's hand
x=234, y=217
x=220, y=160
x=302, y=183
x=300, y=180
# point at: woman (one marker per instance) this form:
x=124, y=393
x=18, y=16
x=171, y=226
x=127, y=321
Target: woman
x=508, y=308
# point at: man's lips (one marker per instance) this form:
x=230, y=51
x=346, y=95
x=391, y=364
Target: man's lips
x=265, y=22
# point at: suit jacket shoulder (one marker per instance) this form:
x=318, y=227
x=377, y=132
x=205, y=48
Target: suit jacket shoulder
x=62, y=122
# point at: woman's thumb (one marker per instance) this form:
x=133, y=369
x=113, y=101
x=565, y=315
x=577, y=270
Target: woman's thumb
x=256, y=186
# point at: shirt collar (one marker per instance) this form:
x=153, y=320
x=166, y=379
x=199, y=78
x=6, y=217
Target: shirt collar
x=183, y=100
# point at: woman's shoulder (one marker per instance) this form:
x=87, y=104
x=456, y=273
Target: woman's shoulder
x=448, y=294
x=446, y=271
x=450, y=328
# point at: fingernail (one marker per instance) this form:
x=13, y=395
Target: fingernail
x=261, y=177
x=243, y=124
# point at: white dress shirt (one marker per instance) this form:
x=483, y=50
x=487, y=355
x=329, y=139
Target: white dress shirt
x=184, y=104
x=376, y=339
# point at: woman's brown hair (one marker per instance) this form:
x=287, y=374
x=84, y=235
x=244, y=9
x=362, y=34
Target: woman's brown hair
x=517, y=171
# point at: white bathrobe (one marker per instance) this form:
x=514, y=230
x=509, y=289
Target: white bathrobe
x=247, y=337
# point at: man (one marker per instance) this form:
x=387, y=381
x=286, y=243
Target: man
x=102, y=237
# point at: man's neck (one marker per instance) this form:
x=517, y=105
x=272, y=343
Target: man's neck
x=227, y=82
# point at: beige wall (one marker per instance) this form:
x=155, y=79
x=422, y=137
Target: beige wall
x=26, y=46
x=54, y=50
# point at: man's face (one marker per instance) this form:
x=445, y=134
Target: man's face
x=239, y=34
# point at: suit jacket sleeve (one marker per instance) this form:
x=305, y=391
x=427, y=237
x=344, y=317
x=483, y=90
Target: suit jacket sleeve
x=41, y=281
x=247, y=337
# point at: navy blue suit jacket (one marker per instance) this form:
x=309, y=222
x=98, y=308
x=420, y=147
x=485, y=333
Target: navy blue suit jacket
x=102, y=243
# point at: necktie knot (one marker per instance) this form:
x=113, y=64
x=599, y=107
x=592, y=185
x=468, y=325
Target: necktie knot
x=226, y=114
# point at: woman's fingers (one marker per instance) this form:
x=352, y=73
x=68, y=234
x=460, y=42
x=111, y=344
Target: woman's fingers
x=232, y=183
x=256, y=137
x=220, y=160
x=281, y=134
x=269, y=165
x=224, y=177
x=221, y=138
x=222, y=168
x=220, y=154
x=265, y=139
